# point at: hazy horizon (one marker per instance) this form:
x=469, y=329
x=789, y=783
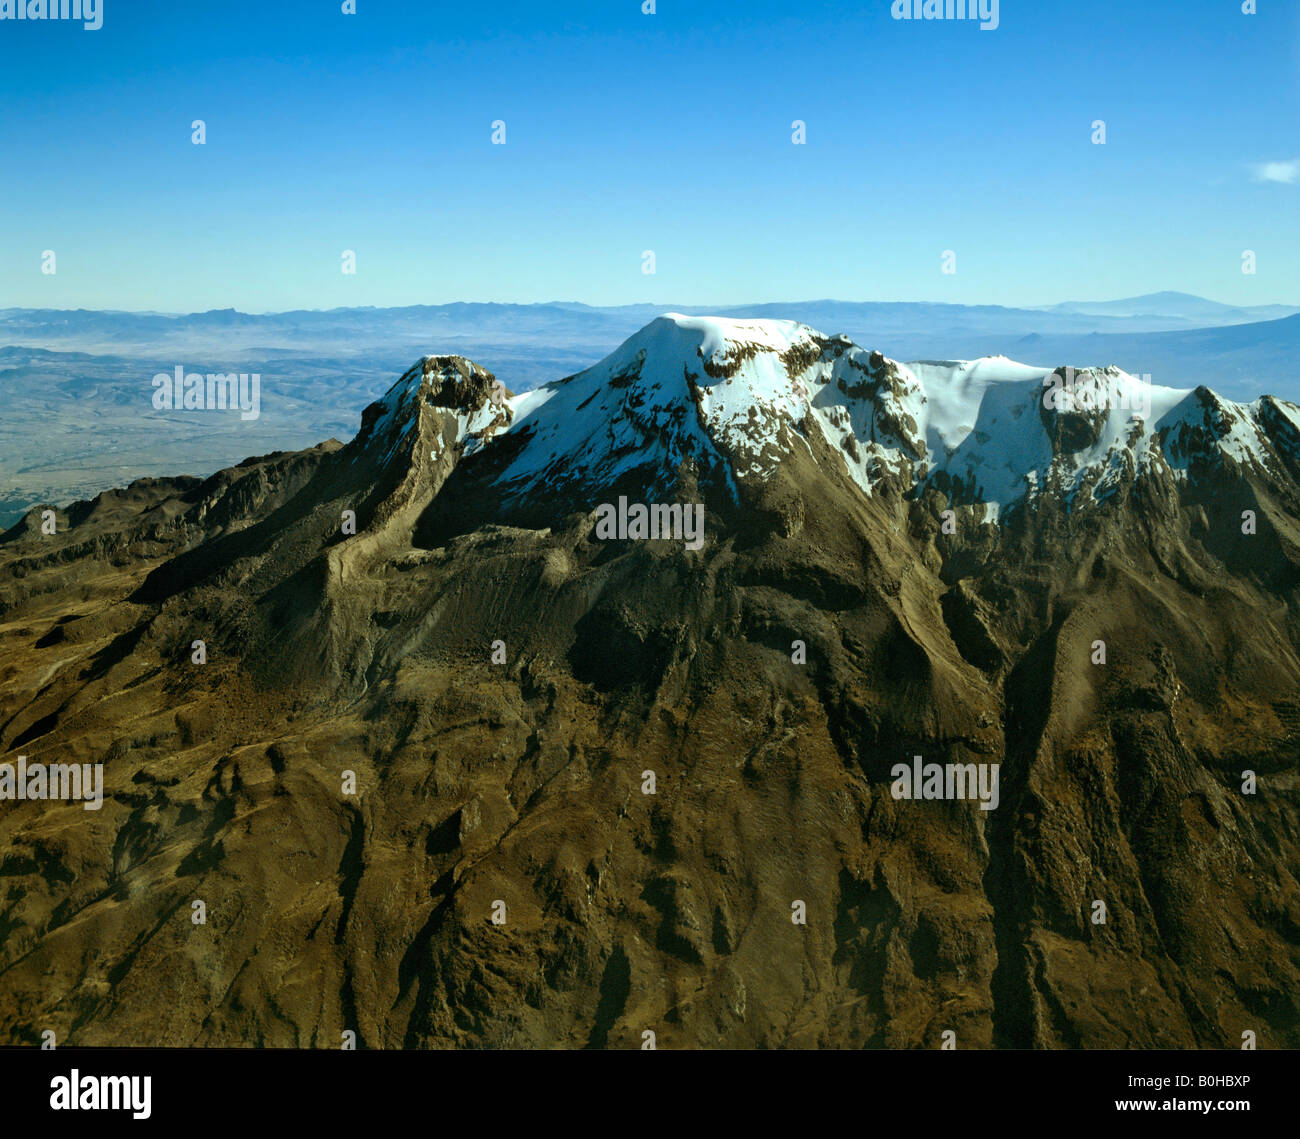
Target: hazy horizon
x=665, y=305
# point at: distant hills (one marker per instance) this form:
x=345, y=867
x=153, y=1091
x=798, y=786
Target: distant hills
x=1173, y=306
x=568, y=321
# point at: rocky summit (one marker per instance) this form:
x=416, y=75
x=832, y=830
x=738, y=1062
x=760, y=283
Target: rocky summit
x=971, y=717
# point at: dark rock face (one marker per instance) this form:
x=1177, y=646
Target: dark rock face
x=610, y=831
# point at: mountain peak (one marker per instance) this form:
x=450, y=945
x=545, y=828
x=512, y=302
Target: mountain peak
x=450, y=384
x=714, y=409
x=721, y=401
x=711, y=401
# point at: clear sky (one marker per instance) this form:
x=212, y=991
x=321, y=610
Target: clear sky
x=628, y=132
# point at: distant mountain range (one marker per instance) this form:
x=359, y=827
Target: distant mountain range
x=1173, y=306
x=560, y=321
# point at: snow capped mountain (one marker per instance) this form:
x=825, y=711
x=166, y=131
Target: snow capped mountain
x=722, y=403
x=435, y=607
x=727, y=398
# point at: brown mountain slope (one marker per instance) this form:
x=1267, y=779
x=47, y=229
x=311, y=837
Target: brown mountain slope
x=523, y=782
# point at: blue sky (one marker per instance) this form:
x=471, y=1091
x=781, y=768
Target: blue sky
x=629, y=132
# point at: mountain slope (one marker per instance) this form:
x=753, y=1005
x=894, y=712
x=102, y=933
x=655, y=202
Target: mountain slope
x=500, y=681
